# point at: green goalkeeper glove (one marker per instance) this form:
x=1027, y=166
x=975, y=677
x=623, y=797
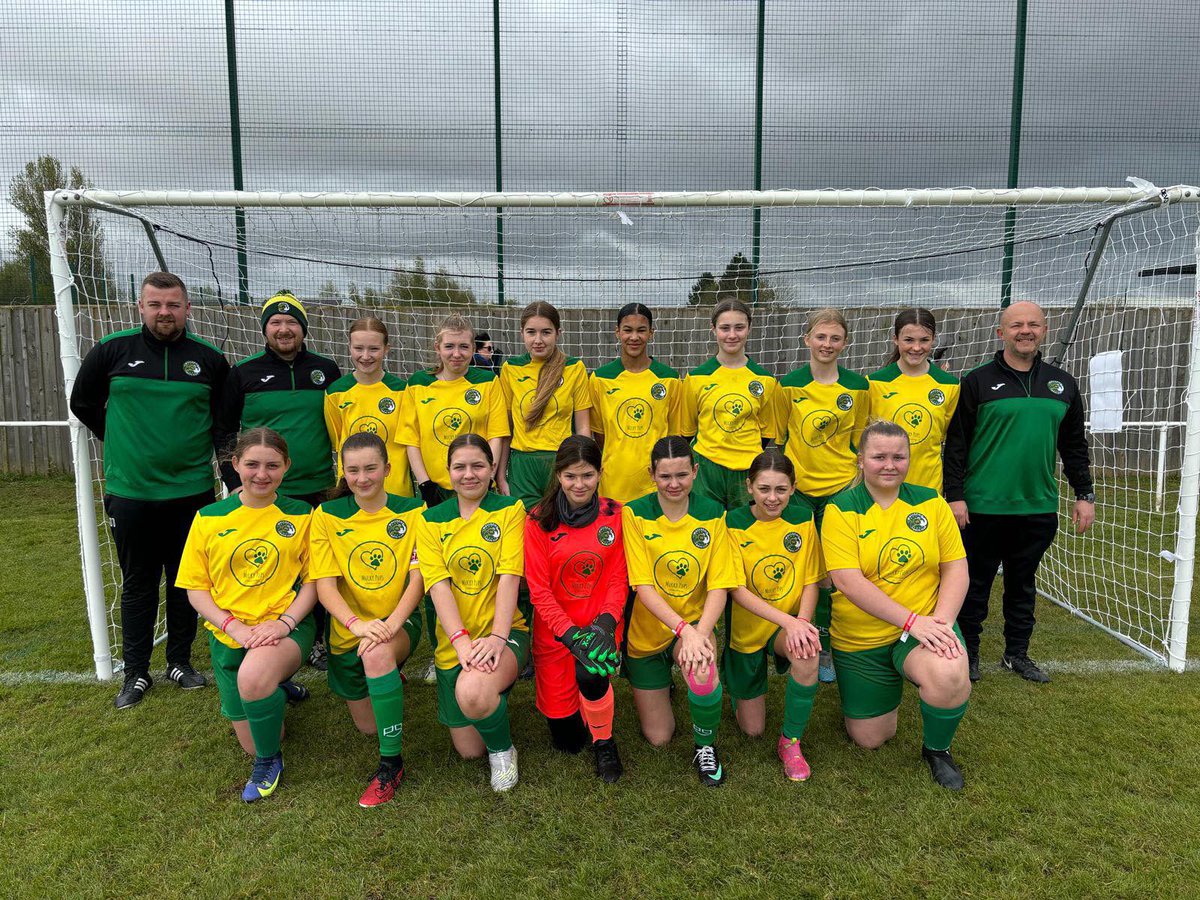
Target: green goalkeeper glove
x=605, y=627
x=584, y=644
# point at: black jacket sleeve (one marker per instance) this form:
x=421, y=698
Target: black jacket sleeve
x=216, y=398
x=226, y=424
x=959, y=434
x=1073, y=446
x=89, y=394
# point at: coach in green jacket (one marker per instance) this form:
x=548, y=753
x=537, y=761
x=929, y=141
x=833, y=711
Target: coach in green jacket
x=150, y=395
x=1015, y=413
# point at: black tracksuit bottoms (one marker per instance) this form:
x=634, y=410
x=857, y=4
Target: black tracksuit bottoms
x=1019, y=542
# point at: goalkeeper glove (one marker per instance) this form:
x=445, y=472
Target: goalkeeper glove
x=584, y=646
x=431, y=493
x=605, y=627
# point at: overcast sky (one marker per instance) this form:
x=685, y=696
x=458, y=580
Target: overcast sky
x=606, y=95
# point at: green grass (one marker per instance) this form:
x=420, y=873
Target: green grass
x=1084, y=787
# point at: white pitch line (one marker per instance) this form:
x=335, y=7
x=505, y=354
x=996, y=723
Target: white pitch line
x=20, y=679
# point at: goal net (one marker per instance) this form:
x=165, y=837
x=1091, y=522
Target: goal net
x=1108, y=265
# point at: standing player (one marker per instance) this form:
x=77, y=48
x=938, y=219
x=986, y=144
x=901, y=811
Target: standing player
x=440, y=403
x=370, y=400
x=546, y=392
x=916, y=394
x=450, y=399
x=245, y=571
x=822, y=410
x=897, y=559
x=155, y=477
x=677, y=550
x=472, y=559
x=774, y=542
x=1015, y=413
x=575, y=568
x=635, y=401
x=283, y=388
x=729, y=405
x=364, y=563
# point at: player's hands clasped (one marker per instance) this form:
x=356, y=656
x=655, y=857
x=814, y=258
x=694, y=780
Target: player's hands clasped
x=802, y=638
x=485, y=651
x=264, y=634
x=696, y=652
x=936, y=635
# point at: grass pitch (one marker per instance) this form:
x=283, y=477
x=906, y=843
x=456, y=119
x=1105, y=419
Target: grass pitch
x=1084, y=787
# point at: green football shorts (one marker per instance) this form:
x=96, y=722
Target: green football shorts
x=449, y=713
x=227, y=660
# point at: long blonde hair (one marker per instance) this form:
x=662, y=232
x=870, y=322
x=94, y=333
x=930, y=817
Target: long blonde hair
x=552, y=371
x=454, y=323
x=827, y=316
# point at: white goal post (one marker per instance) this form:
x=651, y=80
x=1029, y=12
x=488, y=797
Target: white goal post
x=1089, y=255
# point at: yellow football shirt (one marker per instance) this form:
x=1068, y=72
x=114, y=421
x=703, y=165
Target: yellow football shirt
x=370, y=554
x=472, y=554
x=633, y=410
x=377, y=408
x=898, y=549
x=730, y=411
x=436, y=412
x=822, y=422
x=519, y=380
x=681, y=560
x=777, y=561
x=252, y=561
x=922, y=406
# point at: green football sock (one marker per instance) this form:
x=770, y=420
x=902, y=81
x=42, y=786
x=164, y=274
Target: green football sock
x=939, y=724
x=387, y=702
x=265, y=718
x=706, y=715
x=494, y=728
x=823, y=615
x=797, y=707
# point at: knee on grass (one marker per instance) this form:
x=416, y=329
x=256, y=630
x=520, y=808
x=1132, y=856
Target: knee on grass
x=477, y=698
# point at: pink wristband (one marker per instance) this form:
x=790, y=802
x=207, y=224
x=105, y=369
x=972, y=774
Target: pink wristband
x=350, y=621
x=912, y=617
x=225, y=624
x=679, y=628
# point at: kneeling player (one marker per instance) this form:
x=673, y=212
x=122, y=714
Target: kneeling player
x=472, y=559
x=677, y=550
x=243, y=562
x=363, y=547
x=895, y=554
x=775, y=542
x=575, y=568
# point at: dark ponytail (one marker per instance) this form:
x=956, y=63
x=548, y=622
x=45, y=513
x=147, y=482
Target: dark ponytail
x=916, y=315
x=360, y=440
x=671, y=447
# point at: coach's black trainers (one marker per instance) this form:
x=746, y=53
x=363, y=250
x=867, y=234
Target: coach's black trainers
x=973, y=667
x=708, y=766
x=186, y=677
x=133, y=690
x=943, y=768
x=608, y=761
x=1025, y=667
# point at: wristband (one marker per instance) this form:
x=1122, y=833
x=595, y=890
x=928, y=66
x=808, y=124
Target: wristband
x=350, y=621
x=502, y=637
x=912, y=617
x=679, y=628
x=802, y=619
x=462, y=632
x=289, y=617
x=225, y=624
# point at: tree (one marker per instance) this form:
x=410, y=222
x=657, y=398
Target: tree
x=738, y=280
x=414, y=287
x=17, y=287
x=329, y=293
x=84, y=234
x=704, y=291
x=354, y=296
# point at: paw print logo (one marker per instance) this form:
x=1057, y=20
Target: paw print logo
x=729, y=412
x=585, y=568
x=256, y=555
x=819, y=427
x=581, y=574
x=636, y=411
x=822, y=422
x=734, y=407
x=902, y=554
x=373, y=558
x=914, y=417
x=452, y=421
x=679, y=567
x=472, y=563
x=369, y=428
x=916, y=420
x=776, y=572
x=254, y=562
x=634, y=417
x=899, y=559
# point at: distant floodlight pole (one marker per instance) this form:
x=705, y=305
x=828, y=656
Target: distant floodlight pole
x=756, y=239
x=499, y=152
x=1014, y=152
x=235, y=139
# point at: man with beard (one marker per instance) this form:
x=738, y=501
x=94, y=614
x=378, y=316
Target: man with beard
x=150, y=395
x=283, y=388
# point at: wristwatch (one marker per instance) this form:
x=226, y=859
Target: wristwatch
x=1089, y=497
